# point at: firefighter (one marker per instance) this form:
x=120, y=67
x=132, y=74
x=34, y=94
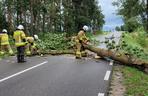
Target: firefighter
x=4, y=43
x=81, y=39
x=31, y=48
x=30, y=41
x=20, y=43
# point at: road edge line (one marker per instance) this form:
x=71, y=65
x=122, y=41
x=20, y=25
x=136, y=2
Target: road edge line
x=101, y=94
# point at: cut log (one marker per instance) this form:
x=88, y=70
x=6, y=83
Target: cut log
x=118, y=56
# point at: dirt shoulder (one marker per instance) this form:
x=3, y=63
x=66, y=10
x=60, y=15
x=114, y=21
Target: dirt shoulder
x=128, y=81
x=117, y=87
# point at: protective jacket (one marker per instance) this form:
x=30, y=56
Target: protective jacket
x=81, y=37
x=20, y=38
x=4, y=39
x=31, y=46
x=30, y=39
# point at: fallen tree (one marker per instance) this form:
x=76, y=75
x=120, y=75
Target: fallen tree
x=118, y=56
x=114, y=55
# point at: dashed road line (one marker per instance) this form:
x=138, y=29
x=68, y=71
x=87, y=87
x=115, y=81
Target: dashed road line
x=101, y=94
x=16, y=74
x=107, y=75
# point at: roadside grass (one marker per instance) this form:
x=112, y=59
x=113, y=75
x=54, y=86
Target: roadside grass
x=136, y=82
x=136, y=40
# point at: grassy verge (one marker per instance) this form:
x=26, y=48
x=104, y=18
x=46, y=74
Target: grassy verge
x=136, y=82
x=135, y=44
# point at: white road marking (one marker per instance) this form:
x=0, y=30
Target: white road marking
x=107, y=75
x=111, y=63
x=100, y=94
x=16, y=74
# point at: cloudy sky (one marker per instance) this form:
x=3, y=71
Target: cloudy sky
x=111, y=19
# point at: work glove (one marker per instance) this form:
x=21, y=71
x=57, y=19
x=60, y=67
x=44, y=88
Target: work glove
x=88, y=43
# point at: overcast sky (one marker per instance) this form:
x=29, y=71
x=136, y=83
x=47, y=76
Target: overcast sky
x=111, y=19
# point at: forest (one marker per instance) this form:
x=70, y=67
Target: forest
x=39, y=16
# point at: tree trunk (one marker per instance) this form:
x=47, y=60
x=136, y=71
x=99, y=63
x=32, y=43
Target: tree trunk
x=117, y=56
x=11, y=27
x=32, y=17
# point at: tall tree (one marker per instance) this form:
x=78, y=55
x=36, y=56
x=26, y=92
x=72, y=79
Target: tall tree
x=3, y=23
x=51, y=15
x=133, y=9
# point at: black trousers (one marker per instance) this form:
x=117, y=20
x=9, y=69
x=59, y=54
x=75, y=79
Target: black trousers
x=21, y=53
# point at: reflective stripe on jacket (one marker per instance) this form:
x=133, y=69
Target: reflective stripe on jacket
x=19, y=36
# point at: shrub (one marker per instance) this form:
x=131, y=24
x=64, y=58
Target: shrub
x=53, y=41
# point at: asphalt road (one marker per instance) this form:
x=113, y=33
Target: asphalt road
x=54, y=76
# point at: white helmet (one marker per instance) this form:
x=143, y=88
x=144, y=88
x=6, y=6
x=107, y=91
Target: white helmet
x=4, y=31
x=36, y=37
x=21, y=27
x=85, y=28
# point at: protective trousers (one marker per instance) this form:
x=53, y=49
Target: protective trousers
x=21, y=54
x=5, y=48
x=80, y=50
x=31, y=49
x=28, y=49
x=34, y=49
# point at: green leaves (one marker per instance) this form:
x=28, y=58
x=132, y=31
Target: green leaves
x=54, y=41
x=132, y=44
x=111, y=44
x=134, y=13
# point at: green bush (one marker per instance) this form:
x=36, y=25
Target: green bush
x=134, y=44
x=53, y=41
x=141, y=38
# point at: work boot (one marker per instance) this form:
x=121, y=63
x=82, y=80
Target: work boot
x=22, y=59
x=18, y=58
x=78, y=55
x=84, y=54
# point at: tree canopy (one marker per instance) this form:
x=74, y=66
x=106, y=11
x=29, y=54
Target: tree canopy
x=134, y=13
x=50, y=15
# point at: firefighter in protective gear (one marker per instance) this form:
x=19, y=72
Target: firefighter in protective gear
x=31, y=46
x=4, y=43
x=81, y=39
x=20, y=43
